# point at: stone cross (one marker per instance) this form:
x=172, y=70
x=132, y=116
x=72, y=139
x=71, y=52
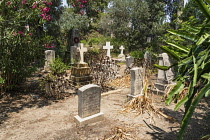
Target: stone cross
x=81, y=51
x=89, y=102
x=122, y=48
x=108, y=47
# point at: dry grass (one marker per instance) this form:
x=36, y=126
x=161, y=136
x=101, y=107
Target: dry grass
x=121, y=82
x=118, y=133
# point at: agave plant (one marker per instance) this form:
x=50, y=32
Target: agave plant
x=193, y=65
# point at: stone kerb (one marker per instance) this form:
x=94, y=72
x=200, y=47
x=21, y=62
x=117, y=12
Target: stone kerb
x=137, y=82
x=49, y=58
x=89, y=100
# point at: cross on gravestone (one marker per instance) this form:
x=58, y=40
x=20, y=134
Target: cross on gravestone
x=122, y=48
x=108, y=47
x=81, y=51
x=89, y=100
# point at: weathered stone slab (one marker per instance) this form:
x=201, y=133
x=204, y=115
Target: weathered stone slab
x=49, y=58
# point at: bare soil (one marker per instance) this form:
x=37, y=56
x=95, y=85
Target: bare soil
x=30, y=117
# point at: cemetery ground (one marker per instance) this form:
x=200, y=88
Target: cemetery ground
x=29, y=116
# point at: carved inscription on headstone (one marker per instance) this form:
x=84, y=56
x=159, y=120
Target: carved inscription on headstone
x=89, y=100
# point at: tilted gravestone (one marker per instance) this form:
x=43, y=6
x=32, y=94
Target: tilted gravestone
x=108, y=48
x=137, y=82
x=89, y=102
x=49, y=58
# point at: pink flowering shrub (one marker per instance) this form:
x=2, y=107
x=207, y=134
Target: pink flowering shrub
x=21, y=39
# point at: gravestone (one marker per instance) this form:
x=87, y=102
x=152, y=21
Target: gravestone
x=164, y=78
x=73, y=43
x=121, y=56
x=49, y=58
x=108, y=48
x=147, y=58
x=129, y=61
x=137, y=82
x=89, y=102
x=80, y=72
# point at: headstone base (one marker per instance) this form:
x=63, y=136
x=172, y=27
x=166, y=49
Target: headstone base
x=130, y=97
x=90, y=119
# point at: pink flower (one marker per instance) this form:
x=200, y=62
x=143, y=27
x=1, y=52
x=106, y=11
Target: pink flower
x=44, y=1
x=23, y=2
x=34, y=6
x=48, y=18
x=49, y=3
x=81, y=6
x=30, y=34
x=73, y=5
x=14, y=33
x=20, y=32
x=8, y=3
x=46, y=9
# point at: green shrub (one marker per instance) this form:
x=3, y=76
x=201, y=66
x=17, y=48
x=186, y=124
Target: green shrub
x=137, y=54
x=58, y=67
x=93, y=41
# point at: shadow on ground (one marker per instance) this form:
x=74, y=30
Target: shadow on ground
x=198, y=127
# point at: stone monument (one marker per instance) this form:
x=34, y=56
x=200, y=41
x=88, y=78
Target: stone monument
x=137, y=82
x=49, y=58
x=80, y=72
x=164, y=78
x=89, y=101
x=108, y=48
x=129, y=61
x=121, y=56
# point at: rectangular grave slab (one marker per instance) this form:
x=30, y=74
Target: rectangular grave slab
x=89, y=100
x=137, y=82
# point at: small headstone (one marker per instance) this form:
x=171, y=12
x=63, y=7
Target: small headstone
x=161, y=78
x=108, y=48
x=89, y=100
x=49, y=58
x=147, y=58
x=137, y=82
x=121, y=56
x=129, y=61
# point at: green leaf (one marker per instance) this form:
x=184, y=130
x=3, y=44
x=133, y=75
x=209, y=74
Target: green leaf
x=181, y=48
x=195, y=72
x=207, y=93
x=170, y=52
x=204, y=8
x=188, y=36
x=206, y=76
x=202, y=39
x=177, y=88
x=161, y=67
x=185, y=61
x=180, y=103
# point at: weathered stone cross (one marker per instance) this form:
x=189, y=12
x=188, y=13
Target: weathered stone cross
x=108, y=47
x=81, y=51
x=122, y=48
